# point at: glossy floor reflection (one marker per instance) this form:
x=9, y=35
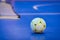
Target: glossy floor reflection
x=20, y=29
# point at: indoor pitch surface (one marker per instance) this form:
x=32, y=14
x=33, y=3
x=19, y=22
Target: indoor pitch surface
x=20, y=29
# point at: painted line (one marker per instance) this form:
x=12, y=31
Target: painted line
x=39, y=14
x=41, y=5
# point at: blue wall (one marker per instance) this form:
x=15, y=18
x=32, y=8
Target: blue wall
x=37, y=0
x=33, y=0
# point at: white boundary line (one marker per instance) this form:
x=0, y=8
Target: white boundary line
x=39, y=13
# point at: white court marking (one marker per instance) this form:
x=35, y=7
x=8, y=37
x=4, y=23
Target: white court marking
x=39, y=13
x=41, y=5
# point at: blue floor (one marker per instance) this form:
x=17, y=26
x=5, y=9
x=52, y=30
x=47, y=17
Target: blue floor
x=20, y=29
x=27, y=7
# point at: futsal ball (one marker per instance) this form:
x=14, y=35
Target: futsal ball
x=38, y=25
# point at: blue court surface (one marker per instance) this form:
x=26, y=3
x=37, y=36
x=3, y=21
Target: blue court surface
x=20, y=29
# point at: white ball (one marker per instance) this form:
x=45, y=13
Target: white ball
x=38, y=25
